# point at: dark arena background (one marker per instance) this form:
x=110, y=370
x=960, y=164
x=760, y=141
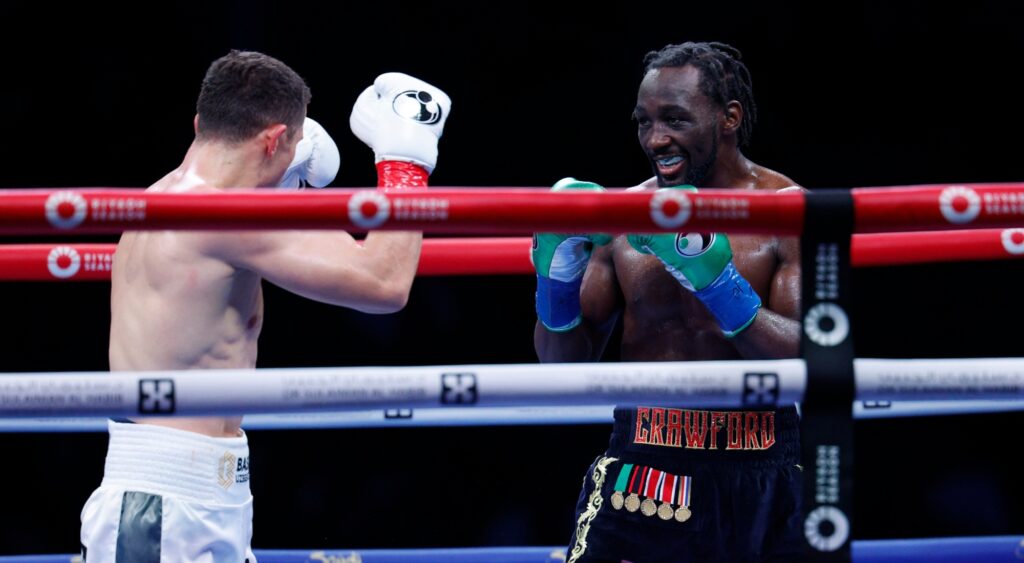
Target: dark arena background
x=850, y=94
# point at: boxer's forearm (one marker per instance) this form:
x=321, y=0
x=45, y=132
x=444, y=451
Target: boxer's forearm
x=771, y=336
x=583, y=343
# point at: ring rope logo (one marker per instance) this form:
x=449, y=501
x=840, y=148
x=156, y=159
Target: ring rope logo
x=836, y=532
x=369, y=209
x=1013, y=241
x=63, y=262
x=670, y=209
x=458, y=388
x=826, y=324
x=959, y=204
x=65, y=210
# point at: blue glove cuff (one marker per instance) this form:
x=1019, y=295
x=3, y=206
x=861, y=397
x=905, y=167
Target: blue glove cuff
x=558, y=303
x=731, y=300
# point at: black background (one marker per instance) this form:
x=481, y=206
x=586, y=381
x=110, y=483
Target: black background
x=851, y=94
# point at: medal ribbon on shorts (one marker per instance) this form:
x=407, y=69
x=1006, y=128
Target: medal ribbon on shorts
x=620, y=485
x=682, y=498
x=650, y=490
x=666, y=494
x=652, y=485
x=636, y=478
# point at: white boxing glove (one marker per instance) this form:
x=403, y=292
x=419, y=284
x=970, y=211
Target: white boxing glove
x=316, y=159
x=401, y=118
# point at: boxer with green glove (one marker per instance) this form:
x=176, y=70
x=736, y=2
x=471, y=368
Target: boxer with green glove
x=694, y=112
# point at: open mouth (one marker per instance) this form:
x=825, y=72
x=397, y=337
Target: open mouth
x=669, y=166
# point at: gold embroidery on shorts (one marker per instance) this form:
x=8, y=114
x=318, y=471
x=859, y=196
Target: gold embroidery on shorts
x=594, y=504
x=226, y=470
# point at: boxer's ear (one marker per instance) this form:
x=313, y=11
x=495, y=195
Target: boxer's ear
x=732, y=117
x=271, y=137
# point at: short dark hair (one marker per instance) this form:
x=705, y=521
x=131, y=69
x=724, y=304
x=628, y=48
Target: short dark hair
x=723, y=77
x=244, y=92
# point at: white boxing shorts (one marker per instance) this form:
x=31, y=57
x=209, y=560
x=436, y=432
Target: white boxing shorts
x=170, y=496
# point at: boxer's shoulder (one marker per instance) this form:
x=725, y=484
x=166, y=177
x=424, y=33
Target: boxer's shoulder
x=768, y=179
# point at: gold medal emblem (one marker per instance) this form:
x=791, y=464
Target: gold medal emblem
x=632, y=502
x=617, y=500
x=665, y=511
x=647, y=507
x=682, y=514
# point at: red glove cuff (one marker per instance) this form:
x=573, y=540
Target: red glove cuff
x=398, y=175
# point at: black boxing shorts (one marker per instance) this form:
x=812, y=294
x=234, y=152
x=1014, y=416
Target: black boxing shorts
x=693, y=485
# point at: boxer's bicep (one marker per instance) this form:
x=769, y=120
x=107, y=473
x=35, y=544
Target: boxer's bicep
x=600, y=295
x=327, y=266
x=784, y=298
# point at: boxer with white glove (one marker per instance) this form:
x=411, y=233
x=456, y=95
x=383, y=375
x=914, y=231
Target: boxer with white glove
x=316, y=160
x=401, y=118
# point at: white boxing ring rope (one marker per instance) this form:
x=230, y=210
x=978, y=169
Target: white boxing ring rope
x=725, y=384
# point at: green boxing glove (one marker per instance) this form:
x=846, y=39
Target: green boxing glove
x=702, y=263
x=560, y=260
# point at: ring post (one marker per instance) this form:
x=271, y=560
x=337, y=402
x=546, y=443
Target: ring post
x=827, y=347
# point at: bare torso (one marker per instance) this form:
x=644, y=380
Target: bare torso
x=172, y=307
x=193, y=300
x=663, y=321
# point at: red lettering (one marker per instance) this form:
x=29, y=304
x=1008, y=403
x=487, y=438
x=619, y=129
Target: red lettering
x=734, y=431
x=641, y=433
x=767, y=429
x=657, y=424
x=717, y=423
x=674, y=428
x=750, y=431
x=697, y=429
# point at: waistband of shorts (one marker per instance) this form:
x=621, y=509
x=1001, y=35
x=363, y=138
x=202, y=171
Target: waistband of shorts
x=178, y=463
x=754, y=436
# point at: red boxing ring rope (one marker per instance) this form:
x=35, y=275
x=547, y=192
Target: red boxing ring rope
x=456, y=211
x=881, y=210
x=510, y=255
x=891, y=249
x=503, y=211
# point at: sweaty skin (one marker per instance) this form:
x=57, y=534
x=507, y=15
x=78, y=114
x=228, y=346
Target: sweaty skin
x=193, y=300
x=661, y=319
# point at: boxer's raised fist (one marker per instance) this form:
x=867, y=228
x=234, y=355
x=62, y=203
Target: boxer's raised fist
x=401, y=118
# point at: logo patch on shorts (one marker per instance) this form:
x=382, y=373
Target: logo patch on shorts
x=226, y=470
x=232, y=469
x=242, y=470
